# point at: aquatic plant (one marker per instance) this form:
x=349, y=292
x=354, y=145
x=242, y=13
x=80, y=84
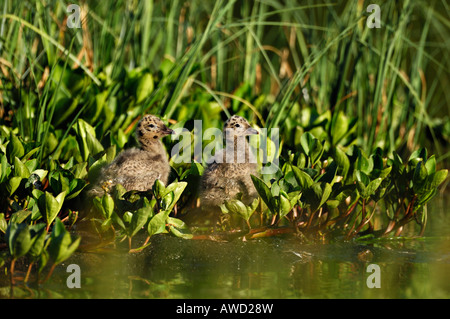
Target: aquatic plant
x=340, y=196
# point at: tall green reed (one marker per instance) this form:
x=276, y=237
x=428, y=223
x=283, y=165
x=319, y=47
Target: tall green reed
x=270, y=54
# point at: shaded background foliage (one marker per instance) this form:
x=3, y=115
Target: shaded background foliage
x=267, y=60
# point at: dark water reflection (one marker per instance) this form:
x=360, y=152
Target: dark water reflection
x=273, y=268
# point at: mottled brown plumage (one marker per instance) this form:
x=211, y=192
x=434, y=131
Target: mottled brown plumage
x=138, y=168
x=229, y=173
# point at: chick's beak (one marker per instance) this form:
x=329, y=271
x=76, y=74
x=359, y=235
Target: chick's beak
x=168, y=131
x=251, y=131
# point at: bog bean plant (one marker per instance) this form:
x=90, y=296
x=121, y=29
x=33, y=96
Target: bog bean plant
x=352, y=117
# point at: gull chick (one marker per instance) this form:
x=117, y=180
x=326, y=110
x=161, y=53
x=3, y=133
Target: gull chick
x=139, y=168
x=229, y=172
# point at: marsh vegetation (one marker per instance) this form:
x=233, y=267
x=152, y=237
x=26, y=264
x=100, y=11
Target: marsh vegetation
x=362, y=115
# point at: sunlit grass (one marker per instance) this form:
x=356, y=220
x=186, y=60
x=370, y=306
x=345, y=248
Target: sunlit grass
x=392, y=78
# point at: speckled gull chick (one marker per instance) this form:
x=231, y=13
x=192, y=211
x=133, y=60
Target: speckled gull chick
x=229, y=172
x=138, y=168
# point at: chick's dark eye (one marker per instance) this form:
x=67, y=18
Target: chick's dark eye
x=151, y=126
x=237, y=125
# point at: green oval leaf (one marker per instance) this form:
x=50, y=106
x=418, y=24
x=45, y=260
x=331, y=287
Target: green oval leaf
x=430, y=165
x=3, y=223
x=50, y=206
x=19, y=216
x=157, y=224
x=264, y=192
x=439, y=177
x=14, y=148
x=138, y=220
x=303, y=179
x=38, y=234
x=284, y=205
x=61, y=245
x=372, y=187
x=419, y=177
x=18, y=239
x=158, y=189
x=107, y=205
x=144, y=88
x=342, y=161
x=20, y=169
x=13, y=184
x=312, y=147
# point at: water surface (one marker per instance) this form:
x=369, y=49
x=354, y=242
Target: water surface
x=269, y=268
